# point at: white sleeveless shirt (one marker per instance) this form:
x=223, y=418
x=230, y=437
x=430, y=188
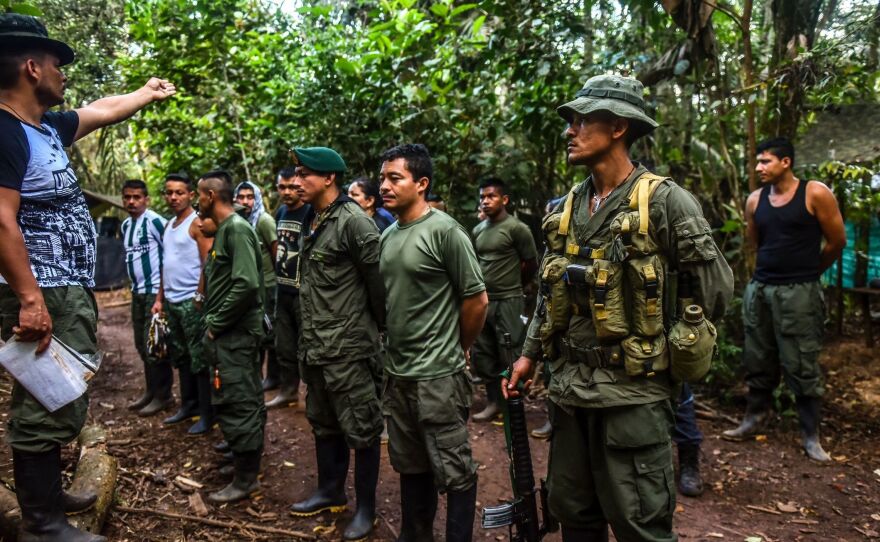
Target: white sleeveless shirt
x=181, y=268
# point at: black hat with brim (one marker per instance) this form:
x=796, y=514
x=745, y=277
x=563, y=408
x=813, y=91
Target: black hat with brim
x=22, y=32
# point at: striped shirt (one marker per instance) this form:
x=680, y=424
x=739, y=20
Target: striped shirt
x=142, y=239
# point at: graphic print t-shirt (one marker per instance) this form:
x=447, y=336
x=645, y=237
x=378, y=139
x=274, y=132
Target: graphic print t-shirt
x=290, y=225
x=53, y=216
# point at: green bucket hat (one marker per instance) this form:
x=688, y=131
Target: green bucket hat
x=21, y=31
x=320, y=159
x=616, y=94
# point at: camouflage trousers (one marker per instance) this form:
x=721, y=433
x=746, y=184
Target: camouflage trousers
x=186, y=326
x=502, y=317
x=74, y=314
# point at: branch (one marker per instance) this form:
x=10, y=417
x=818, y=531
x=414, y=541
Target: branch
x=222, y=524
x=726, y=9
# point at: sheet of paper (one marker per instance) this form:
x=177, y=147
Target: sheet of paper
x=55, y=378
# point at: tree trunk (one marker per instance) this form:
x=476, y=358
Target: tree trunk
x=748, y=80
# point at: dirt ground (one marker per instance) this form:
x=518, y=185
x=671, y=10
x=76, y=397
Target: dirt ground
x=762, y=490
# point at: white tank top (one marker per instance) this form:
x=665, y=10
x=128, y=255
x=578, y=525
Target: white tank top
x=181, y=269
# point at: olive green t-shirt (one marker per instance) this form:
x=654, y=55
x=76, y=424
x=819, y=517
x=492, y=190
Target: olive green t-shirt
x=501, y=247
x=233, y=279
x=428, y=267
x=267, y=235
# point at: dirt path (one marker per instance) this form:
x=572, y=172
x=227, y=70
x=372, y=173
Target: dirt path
x=761, y=490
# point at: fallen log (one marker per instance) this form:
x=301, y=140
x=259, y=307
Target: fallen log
x=96, y=472
x=218, y=523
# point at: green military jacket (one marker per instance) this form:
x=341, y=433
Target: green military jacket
x=342, y=296
x=685, y=241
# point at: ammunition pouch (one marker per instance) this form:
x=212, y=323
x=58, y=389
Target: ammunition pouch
x=607, y=301
x=691, y=346
x=555, y=291
x=647, y=281
x=598, y=357
x=645, y=356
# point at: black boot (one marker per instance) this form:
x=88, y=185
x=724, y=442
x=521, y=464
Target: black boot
x=460, y=507
x=333, y=456
x=221, y=447
x=366, y=476
x=245, y=478
x=584, y=535
x=76, y=504
x=808, y=416
x=189, y=397
x=38, y=487
x=418, y=505
x=757, y=408
x=690, y=483
x=147, y=396
x=206, y=411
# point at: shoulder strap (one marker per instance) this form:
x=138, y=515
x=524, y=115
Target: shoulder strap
x=565, y=221
x=640, y=197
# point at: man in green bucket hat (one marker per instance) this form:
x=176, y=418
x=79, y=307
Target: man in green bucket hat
x=627, y=250
x=47, y=257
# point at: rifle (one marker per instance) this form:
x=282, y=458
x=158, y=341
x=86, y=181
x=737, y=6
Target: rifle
x=522, y=511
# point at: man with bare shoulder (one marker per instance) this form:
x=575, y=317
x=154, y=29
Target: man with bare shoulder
x=783, y=308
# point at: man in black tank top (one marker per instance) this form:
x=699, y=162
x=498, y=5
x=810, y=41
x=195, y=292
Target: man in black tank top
x=783, y=306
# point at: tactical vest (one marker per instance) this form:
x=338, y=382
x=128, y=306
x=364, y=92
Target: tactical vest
x=622, y=286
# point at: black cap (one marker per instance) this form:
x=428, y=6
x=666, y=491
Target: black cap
x=22, y=31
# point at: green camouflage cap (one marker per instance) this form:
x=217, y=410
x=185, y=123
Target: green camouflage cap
x=22, y=31
x=321, y=159
x=616, y=94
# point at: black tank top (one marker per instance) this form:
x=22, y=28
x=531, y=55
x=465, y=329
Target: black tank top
x=789, y=240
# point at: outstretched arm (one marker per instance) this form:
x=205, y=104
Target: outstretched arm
x=113, y=109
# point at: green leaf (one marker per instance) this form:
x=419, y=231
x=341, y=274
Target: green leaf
x=27, y=9
x=461, y=9
x=477, y=24
x=440, y=10
x=346, y=66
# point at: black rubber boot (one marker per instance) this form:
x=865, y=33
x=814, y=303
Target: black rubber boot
x=287, y=396
x=38, y=488
x=584, y=535
x=76, y=504
x=333, y=456
x=272, y=380
x=189, y=397
x=147, y=396
x=460, y=507
x=245, y=480
x=757, y=408
x=418, y=505
x=808, y=416
x=493, y=403
x=221, y=447
x=690, y=483
x=366, y=476
x=206, y=411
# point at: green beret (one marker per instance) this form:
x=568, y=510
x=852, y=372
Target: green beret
x=321, y=159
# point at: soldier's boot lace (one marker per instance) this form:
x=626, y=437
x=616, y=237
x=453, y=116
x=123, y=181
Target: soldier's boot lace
x=366, y=476
x=808, y=416
x=570, y=534
x=690, y=483
x=460, y=507
x=245, y=480
x=757, y=407
x=333, y=456
x=418, y=505
x=41, y=499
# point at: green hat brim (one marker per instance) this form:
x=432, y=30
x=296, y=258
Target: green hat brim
x=27, y=39
x=585, y=106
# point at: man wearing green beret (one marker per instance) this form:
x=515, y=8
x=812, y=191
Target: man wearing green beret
x=342, y=303
x=47, y=256
x=630, y=279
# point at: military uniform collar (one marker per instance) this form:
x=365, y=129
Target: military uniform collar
x=589, y=225
x=324, y=215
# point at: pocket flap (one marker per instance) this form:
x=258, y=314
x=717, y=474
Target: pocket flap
x=638, y=426
x=651, y=459
x=453, y=438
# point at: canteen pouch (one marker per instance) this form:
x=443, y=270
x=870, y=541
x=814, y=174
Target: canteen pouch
x=644, y=356
x=607, y=301
x=691, y=347
x=646, y=278
x=625, y=226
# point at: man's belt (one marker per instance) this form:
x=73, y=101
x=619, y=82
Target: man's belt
x=598, y=357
